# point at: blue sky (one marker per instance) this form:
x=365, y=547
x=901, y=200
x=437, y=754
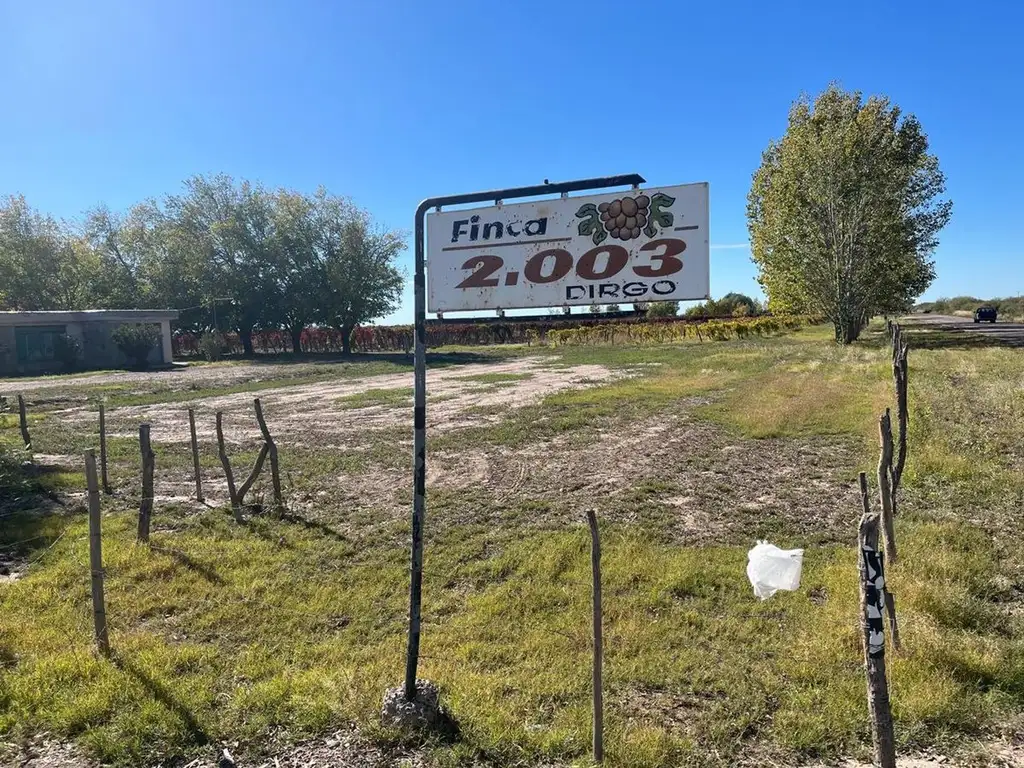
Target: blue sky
x=390, y=102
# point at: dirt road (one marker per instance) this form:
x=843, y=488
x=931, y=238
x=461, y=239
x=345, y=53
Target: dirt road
x=1009, y=334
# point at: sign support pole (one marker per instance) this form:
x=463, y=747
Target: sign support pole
x=419, y=503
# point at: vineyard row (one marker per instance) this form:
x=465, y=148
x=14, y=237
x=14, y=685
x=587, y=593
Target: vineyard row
x=399, y=338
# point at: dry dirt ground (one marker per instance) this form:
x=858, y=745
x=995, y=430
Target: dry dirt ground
x=677, y=473
x=181, y=376
x=317, y=415
x=346, y=749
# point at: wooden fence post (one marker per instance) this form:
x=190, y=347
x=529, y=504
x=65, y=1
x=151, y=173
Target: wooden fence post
x=195, y=454
x=236, y=506
x=595, y=566
x=872, y=606
x=275, y=473
x=899, y=372
x=104, y=480
x=146, y=505
x=99, y=611
x=884, y=483
x=26, y=438
x=256, y=469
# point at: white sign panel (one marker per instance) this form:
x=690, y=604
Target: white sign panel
x=609, y=248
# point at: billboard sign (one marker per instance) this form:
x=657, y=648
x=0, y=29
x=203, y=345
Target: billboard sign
x=608, y=248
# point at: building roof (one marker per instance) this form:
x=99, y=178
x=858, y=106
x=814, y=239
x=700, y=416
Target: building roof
x=88, y=315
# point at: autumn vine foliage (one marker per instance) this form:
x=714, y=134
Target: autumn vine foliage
x=399, y=338
x=667, y=333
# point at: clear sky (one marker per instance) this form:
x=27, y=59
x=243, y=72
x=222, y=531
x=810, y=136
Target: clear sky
x=391, y=102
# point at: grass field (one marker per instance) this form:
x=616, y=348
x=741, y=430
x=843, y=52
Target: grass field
x=278, y=630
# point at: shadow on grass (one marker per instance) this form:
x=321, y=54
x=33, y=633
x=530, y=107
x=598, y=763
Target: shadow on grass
x=206, y=571
x=32, y=518
x=958, y=340
x=314, y=525
x=939, y=337
x=161, y=693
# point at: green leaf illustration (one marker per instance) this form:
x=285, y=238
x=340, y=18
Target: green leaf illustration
x=663, y=218
x=591, y=223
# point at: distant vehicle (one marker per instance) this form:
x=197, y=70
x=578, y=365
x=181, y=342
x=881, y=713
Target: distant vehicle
x=987, y=314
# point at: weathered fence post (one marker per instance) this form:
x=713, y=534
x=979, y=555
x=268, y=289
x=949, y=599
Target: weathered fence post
x=256, y=469
x=899, y=372
x=595, y=566
x=99, y=611
x=104, y=480
x=872, y=606
x=275, y=473
x=884, y=484
x=26, y=438
x=146, y=505
x=195, y=453
x=236, y=507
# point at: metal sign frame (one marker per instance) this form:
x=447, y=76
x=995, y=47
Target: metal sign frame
x=419, y=504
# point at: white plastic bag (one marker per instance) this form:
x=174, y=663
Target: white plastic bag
x=771, y=569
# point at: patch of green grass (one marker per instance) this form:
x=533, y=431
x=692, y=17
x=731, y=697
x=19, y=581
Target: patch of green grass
x=122, y=398
x=495, y=378
x=384, y=398
x=205, y=630
x=649, y=389
x=806, y=392
x=13, y=421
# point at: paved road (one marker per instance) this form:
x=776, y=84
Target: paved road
x=1010, y=334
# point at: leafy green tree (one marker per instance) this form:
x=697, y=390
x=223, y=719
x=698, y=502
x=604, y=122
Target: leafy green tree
x=658, y=309
x=845, y=210
x=225, y=232
x=225, y=253
x=730, y=305
x=359, y=260
x=43, y=263
x=137, y=269
x=302, y=277
x=739, y=304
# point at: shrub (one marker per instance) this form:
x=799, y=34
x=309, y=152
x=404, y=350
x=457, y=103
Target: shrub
x=673, y=332
x=211, y=346
x=136, y=341
x=732, y=304
x=67, y=350
x=662, y=309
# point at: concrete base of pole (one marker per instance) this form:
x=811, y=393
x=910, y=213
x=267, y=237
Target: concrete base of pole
x=423, y=714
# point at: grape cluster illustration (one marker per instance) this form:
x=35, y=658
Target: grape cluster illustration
x=625, y=218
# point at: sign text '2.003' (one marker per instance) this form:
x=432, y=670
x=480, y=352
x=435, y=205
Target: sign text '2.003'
x=659, y=259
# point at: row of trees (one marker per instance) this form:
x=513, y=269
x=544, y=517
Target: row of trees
x=843, y=213
x=230, y=255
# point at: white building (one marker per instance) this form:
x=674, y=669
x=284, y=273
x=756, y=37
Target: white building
x=27, y=339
